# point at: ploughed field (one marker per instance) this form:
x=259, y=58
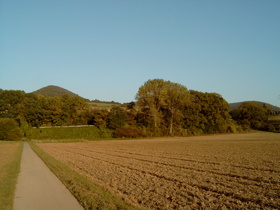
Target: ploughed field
x=219, y=171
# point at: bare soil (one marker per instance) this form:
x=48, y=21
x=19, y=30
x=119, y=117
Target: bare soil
x=218, y=172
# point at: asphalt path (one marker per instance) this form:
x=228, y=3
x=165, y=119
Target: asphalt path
x=38, y=188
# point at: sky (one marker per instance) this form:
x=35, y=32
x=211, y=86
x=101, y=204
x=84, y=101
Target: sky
x=107, y=49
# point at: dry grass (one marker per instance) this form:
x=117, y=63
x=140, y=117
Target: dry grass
x=239, y=171
x=10, y=155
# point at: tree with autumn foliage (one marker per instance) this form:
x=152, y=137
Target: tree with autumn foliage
x=206, y=113
x=251, y=115
x=162, y=101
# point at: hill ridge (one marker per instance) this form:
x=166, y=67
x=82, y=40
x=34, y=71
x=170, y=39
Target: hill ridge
x=237, y=104
x=54, y=91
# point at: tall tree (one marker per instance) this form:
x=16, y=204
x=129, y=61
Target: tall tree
x=206, y=113
x=158, y=95
x=72, y=108
x=177, y=97
x=117, y=118
x=151, y=96
x=52, y=110
x=32, y=110
x=9, y=103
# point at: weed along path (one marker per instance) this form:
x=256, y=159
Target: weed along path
x=38, y=188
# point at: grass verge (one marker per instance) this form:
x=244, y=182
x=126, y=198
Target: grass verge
x=10, y=156
x=89, y=195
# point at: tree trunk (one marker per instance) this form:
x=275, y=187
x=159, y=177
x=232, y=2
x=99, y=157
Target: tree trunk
x=171, y=124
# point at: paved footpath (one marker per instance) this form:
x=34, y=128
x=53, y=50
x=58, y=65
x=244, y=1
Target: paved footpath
x=38, y=188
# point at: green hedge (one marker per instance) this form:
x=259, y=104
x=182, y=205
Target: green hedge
x=58, y=133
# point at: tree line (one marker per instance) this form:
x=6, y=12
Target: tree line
x=161, y=108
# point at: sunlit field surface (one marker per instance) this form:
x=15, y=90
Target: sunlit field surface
x=219, y=171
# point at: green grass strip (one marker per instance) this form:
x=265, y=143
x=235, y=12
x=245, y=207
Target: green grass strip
x=89, y=195
x=8, y=176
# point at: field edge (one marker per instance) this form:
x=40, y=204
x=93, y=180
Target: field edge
x=11, y=171
x=88, y=194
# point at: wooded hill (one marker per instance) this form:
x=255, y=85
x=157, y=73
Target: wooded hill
x=54, y=91
x=238, y=104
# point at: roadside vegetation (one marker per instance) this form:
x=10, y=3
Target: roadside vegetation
x=10, y=156
x=162, y=108
x=89, y=195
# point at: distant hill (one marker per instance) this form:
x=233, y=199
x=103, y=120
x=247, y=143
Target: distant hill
x=54, y=91
x=236, y=105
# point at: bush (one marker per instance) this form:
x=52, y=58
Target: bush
x=9, y=129
x=57, y=133
x=231, y=127
x=128, y=132
x=271, y=126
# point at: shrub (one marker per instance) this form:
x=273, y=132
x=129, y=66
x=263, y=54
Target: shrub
x=231, y=127
x=128, y=132
x=57, y=133
x=9, y=129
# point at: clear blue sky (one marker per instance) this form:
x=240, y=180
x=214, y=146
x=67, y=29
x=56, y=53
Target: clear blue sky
x=107, y=49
